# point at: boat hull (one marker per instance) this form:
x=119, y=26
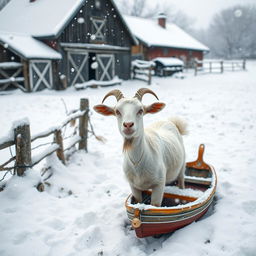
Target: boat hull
x=178, y=208
x=147, y=229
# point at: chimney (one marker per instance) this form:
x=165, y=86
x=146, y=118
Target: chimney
x=162, y=20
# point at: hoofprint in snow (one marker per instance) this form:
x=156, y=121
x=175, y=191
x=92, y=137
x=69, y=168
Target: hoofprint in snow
x=83, y=213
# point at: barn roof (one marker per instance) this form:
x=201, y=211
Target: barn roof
x=27, y=47
x=25, y=21
x=42, y=18
x=151, y=34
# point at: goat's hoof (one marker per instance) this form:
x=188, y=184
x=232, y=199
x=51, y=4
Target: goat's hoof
x=136, y=223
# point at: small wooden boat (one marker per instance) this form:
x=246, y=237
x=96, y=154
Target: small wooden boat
x=180, y=207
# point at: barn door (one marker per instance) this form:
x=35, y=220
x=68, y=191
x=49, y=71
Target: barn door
x=40, y=72
x=77, y=67
x=106, y=67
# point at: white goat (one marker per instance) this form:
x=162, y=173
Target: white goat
x=154, y=156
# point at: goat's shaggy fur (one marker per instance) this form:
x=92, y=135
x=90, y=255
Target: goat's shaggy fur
x=163, y=159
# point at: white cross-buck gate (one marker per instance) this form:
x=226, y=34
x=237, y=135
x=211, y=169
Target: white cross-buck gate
x=106, y=67
x=77, y=67
x=40, y=74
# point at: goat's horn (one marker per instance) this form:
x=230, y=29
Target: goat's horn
x=117, y=93
x=139, y=94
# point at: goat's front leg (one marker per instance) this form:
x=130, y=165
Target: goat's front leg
x=157, y=194
x=137, y=194
x=181, y=178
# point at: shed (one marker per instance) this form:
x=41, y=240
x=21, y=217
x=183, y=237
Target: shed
x=64, y=42
x=165, y=66
x=158, y=38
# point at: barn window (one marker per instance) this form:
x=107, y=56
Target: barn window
x=98, y=29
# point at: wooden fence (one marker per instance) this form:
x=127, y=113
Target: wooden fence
x=11, y=75
x=218, y=66
x=142, y=70
x=22, y=140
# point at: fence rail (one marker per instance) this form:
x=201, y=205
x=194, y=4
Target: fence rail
x=142, y=70
x=218, y=66
x=22, y=140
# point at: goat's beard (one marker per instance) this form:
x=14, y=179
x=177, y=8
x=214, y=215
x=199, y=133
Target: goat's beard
x=127, y=144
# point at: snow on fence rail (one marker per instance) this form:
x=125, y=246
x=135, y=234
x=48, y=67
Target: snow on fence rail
x=11, y=75
x=142, y=70
x=22, y=139
x=219, y=66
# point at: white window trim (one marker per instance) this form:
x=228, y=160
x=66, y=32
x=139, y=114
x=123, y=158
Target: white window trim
x=98, y=25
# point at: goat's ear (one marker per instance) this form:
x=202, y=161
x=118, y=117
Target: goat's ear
x=104, y=110
x=154, y=108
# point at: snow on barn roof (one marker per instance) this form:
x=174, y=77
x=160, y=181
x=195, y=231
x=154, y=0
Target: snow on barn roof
x=28, y=47
x=149, y=32
x=41, y=18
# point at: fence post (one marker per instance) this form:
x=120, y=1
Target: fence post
x=83, y=124
x=23, y=148
x=149, y=75
x=195, y=66
x=244, y=64
x=210, y=63
x=221, y=67
x=60, y=151
x=26, y=76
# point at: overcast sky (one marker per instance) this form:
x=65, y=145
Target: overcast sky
x=203, y=10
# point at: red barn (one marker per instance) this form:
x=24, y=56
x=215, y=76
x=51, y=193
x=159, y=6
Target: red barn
x=161, y=39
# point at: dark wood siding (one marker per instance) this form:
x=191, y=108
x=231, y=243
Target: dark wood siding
x=123, y=65
x=80, y=29
x=8, y=56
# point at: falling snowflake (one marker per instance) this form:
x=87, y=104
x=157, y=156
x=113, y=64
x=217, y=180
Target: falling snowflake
x=97, y=4
x=80, y=20
x=6, y=45
x=93, y=37
x=94, y=65
x=72, y=70
x=238, y=13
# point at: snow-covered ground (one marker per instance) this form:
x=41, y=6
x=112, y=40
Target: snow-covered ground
x=83, y=212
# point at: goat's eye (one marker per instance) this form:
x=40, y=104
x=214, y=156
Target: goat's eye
x=140, y=112
x=118, y=113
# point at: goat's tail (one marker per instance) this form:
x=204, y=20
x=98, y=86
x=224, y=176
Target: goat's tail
x=180, y=124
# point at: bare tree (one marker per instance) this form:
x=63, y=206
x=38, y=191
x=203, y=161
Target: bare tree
x=143, y=8
x=231, y=33
x=138, y=7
